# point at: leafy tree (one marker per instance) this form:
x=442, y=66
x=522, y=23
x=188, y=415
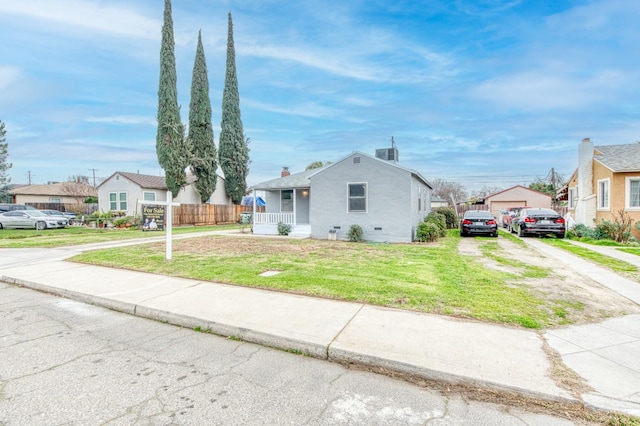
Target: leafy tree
x=233, y=151
x=203, y=162
x=451, y=191
x=5, y=180
x=317, y=165
x=171, y=147
x=546, y=188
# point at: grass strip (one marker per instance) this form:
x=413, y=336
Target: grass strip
x=615, y=265
x=76, y=235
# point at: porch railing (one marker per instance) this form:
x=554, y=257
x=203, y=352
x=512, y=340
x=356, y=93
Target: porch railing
x=273, y=218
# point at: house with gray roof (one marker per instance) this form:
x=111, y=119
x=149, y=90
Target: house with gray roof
x=122, y=190
x=606, y=182
x=386, y=199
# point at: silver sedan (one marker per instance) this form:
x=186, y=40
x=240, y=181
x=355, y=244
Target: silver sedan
x=31, y=219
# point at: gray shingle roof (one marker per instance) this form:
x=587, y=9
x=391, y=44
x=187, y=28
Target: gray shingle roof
x=301, y=180
x=619, y=158
x=296, y=180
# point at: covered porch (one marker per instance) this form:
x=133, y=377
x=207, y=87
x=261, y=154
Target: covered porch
x=287, y=205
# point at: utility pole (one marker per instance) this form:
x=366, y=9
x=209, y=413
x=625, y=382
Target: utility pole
x=30, y=176
x=94, y=176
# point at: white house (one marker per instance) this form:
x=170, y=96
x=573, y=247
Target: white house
x=121, y=192
x=384, y=198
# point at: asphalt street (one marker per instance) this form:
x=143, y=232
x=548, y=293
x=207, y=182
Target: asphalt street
x=65, y=362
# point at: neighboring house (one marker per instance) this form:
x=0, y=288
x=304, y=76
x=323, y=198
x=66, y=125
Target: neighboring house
x=516, y=196
x=121, y=192
x=59, y=193
x=438, y=202
x=386, y=199
x=606, y=182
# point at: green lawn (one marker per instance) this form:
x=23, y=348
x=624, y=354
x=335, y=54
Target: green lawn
x=601, y=259
x=428, y=278
x=75, y=235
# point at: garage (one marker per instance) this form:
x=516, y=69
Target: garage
x=516, y=196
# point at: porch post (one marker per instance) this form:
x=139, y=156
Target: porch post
x=253, y=215
x=294, y=207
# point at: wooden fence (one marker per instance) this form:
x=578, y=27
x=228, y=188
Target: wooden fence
x=208, y=214
x=77, y=208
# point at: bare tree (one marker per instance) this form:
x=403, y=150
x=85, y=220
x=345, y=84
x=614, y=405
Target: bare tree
x=486, y=190
x=79, y=191
x=453, y=192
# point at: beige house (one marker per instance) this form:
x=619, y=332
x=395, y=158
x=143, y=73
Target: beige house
x=516, y=196
x=606, y=182
x=121, y=192
x=59, y=193
x=437, y=202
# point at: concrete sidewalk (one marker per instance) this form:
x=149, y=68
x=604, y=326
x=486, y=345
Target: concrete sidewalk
x=427, y=346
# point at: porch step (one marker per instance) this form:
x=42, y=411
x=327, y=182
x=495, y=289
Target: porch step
x=300, y=231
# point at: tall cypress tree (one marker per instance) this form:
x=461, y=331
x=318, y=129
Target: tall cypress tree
x=5, y=180
x=203, y=163
x=171, y=147
x=233, y=150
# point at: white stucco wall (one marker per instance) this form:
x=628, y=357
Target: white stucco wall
x=392, y=207
x=119, y=184
x=585, y=211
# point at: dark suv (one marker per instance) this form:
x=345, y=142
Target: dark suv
x=12, y=207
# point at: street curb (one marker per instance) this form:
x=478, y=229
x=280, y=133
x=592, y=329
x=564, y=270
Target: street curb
x=409, y=370
x=327, y=353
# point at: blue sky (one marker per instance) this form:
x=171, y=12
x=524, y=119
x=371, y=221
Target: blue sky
x=480, y=92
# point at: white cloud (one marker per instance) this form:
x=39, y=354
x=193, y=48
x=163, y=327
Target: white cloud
x=98, y=16
x=314, y=59
x=123, y=119
x=304, y=110
x=543, y=90
x=8, y=76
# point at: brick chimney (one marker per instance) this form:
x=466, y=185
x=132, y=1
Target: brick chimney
x=285, y=172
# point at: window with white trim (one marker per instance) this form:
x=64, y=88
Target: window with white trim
x=357, y=194
x=148, y=196
x=57, y=200
x=572, y=195
x=286, y=200
x=603, y=194
x=118, y=201
x=632, y=193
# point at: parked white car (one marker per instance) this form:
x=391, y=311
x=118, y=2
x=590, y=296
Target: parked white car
x=31, y=219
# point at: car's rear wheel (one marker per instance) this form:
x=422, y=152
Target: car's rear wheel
x=521, y=232
x=560, y=235
x=41, y=225
x=0, y=226
x=494, y=235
